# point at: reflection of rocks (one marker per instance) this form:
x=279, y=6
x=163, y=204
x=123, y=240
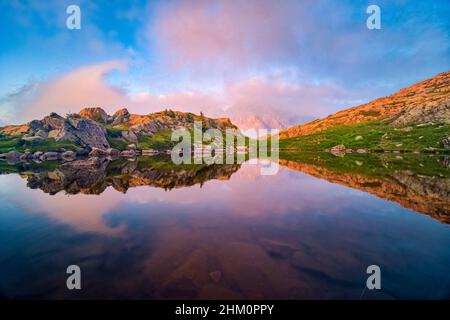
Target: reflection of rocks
x=338, y=151
x=425, y=194
x=74, y=177
x=94, y=175
x=215, y=275
x=446, y=162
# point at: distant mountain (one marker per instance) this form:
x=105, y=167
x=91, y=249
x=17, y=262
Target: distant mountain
x=424, y=102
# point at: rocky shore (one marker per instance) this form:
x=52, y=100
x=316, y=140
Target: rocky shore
x=69, y=155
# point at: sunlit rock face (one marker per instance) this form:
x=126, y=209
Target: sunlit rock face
x=94, y=128
x=81, y=131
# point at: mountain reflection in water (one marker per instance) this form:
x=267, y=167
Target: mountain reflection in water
x=225, y=231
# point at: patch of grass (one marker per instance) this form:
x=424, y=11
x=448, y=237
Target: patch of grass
x=46, y=145
x=375, y=136
x=113, y=132
x=8, y=143
x=160, y=140
x=16, y=143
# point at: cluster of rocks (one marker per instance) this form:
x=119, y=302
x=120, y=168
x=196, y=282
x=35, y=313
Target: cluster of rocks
x=111, y=152
x=91, y=130
x=14, y=156
x=83, y=132
x=341, y=150
x=68, y=155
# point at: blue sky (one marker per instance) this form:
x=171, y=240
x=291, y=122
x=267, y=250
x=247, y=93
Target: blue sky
x=263, y=63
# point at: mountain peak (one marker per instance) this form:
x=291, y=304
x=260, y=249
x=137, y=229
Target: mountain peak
x=121, y=112
x=94, y=113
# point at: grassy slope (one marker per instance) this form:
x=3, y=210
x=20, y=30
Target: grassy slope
x=161, y=140
x=376, y=136
x=15, y=143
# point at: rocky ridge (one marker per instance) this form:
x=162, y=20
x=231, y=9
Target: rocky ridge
x=424, y=102
x=92, y=131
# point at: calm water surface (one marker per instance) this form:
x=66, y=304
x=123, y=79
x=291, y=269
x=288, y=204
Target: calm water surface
x=229, y=235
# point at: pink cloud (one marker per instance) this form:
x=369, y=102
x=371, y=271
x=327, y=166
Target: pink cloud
x=253, y=103
x=69, y=92
x=262, y=103
x=226, y=32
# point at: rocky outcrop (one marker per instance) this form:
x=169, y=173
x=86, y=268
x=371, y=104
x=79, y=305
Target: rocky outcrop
x=14, y=129
x=94, y=128
x=120, y=116
x=89, y=133
x=95, y=114
x=83, y=132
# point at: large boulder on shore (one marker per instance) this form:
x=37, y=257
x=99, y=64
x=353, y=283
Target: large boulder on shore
x=88, y=132
x=84, y=132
